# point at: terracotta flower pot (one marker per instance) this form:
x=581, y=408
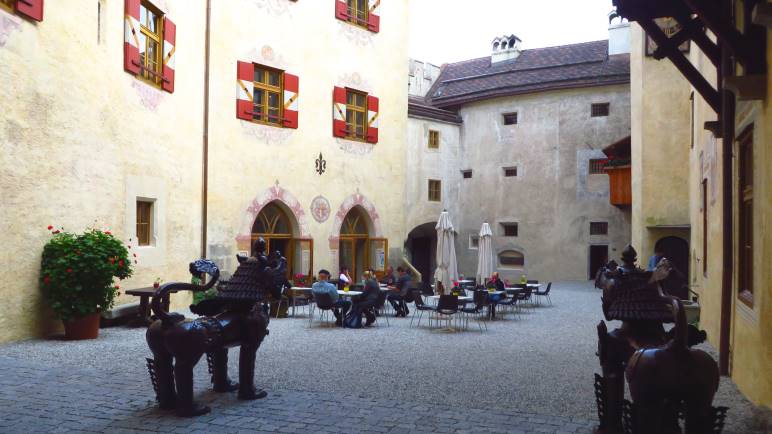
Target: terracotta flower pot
x=86, y=327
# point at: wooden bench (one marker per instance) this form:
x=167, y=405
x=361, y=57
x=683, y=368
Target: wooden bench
x=144, y=294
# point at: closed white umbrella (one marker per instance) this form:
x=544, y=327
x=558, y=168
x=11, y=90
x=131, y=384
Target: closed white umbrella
x=447, y=269
x=485, y=253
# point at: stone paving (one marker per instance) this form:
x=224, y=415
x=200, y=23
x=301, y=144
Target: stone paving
x=527, y=374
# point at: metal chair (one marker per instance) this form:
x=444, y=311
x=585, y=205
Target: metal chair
x=420, y=308
x=545, y=294
x=447, y=307
x=380, y=306
x=324, y=303
x=479, y=298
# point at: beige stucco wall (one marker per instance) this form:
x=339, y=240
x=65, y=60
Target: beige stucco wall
x=553, y=198
x=246, y=160
x=660, y=143
x=81, y=138
x=750, y=330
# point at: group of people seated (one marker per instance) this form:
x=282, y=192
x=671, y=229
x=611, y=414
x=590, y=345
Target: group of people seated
x=361, y=305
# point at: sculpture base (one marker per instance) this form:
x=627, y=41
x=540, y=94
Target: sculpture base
x=86, y=327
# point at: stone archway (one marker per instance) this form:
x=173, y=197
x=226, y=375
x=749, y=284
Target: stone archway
x=367, y=207
x=278, y=194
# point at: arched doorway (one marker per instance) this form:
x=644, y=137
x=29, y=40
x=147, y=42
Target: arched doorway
x=277, y=226
x=676, y=250
x=422, y=245
x=359, y=250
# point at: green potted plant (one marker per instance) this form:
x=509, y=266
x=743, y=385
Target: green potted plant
x=77, y=277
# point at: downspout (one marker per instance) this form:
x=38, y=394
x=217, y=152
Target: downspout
x=727, y=141
x=205, y=150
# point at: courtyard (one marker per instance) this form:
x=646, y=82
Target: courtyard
x=532, y=373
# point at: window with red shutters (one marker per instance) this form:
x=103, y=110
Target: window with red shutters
x=362, y=13
x=32, y=9
x=266, y=95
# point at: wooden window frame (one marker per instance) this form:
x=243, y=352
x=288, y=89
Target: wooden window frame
x=148, y=231
x=8, y=5
x=510, y=225
x=596, y=165
x=600, y=109
x=598, y=228
x=466, y=172
x=435, y=194
x=745, y=217
x=510, y=172
x=510, y=116
x=434, y=139
x=353, y=17
x=354, y=108
x=263, y=115
x=704, y=187
x=152, y=76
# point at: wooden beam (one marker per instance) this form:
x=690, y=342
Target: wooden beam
x=720, y=25
x=692, y=28
x=706, y=90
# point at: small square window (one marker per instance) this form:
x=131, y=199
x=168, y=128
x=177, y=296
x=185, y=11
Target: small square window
x=144, y=222
x=435, y=189
x=600, y=109
x=598, y=228
x=474, y=241
x=510, y=171
x=467, y=174
x=434, y=139
x=597, y=165
x=510, y=118
x=509, y=229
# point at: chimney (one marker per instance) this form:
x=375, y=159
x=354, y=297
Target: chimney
x=505, y=48
x=618, y=35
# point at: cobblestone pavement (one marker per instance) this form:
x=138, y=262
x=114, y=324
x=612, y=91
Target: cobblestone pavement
x=531, y=373
x=39, y=398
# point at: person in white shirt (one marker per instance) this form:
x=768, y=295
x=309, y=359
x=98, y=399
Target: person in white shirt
x=344, y=278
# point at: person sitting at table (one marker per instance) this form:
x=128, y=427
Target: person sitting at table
x=344, y=279
x=388, y=278
x=365, y=303
x=400, y=294
x=323, y=286
x=496, y=284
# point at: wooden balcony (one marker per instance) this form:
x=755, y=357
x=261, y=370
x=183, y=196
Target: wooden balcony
x=620, y=188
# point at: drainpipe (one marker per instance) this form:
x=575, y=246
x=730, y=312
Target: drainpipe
x=727, y=141
x=205, y=150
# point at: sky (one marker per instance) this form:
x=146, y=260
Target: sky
x=445, y=31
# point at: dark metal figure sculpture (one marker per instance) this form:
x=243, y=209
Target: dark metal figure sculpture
x=666, y=377
x=235, y=317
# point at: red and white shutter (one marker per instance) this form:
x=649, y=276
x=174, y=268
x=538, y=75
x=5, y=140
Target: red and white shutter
x=32, y=9
x=291, y=87
x=131, y=37
x=170, y=36
x=341, y=10
x=339, y=112
x=245, y=88
x=374, y=17
x=372, y=119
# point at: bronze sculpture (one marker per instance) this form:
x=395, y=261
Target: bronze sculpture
x=235, y=317
x=667, y=379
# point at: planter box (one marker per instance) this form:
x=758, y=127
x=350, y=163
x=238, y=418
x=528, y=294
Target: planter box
x=620, y=188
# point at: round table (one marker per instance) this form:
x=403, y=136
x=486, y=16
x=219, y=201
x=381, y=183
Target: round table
x=349, y=293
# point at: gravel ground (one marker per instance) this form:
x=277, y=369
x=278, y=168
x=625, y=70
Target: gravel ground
x=540, y=363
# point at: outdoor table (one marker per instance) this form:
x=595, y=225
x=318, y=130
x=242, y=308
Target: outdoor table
x=462, y=299
x=349, y=293
x=144, y=295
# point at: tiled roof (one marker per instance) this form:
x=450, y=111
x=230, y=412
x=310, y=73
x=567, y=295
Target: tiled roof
x=540, y=69
x=417, y=107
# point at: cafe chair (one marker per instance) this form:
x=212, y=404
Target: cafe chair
x=545, y=294
x=447, y=307
x=379, y=310
x=324, y=304
x=420, y=308
x=479, y=298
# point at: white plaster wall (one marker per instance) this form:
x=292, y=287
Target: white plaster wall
x=80, y=137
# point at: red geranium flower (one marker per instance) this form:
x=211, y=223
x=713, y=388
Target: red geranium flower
x=117, y=286
x=108, y=232
x=112, y=260
x=120, y=263
x=50, y=227
x=69, y=270
x=46, y=280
